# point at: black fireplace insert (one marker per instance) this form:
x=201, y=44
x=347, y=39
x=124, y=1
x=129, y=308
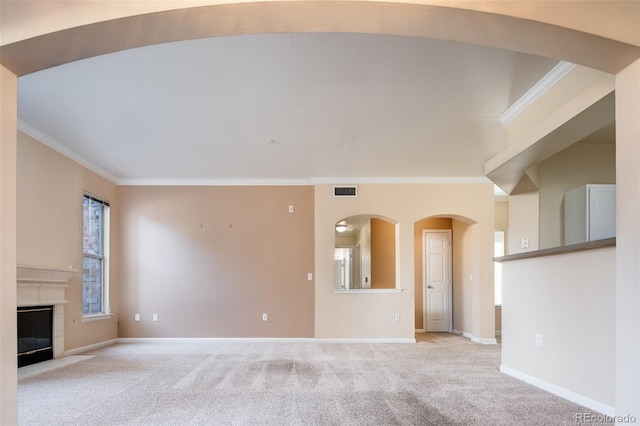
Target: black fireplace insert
x=35, y=334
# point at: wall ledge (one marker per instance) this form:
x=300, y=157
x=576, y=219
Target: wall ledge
x=369, y=291
x=590, y=245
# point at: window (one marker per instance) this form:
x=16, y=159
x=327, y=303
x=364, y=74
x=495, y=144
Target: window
x=95, y=249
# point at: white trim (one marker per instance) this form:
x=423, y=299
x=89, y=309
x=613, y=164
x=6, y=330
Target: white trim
x=214, y=339
x=73, y=155
x=303, y=181
x=559, y=391
x=91, y=347
x=484, y=341
x=64, y=150
x=409, y=179
x=215, y=182
x=259, y=340
x=363, y=340
x=449, y=233
x=96, y=317
x=368, y=290
x=539, y=89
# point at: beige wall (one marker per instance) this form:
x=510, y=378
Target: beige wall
x=575, y=166
x=49, y=230
x=211, y=260
x=570, y=300
x=371, y=315
x=418, y=262
x=383, y=254
x=502, y=216
x=524, y=221
x=8, y=326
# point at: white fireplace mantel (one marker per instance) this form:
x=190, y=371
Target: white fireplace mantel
x=43, y=274
x=43, y=286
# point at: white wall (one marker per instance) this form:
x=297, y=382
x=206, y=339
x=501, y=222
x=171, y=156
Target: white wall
x=570, y=300
x=628, y=240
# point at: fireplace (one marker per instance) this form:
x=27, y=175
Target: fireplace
x=41, y=298
x=35, y=334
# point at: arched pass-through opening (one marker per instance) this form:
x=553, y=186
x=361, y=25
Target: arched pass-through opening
x=366, y=253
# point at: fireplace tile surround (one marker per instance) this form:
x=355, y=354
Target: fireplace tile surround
x=39, y=286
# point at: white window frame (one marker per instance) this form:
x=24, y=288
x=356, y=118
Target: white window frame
x=105, y=311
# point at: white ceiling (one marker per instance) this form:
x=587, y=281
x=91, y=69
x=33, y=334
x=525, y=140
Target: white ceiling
x=281, y=106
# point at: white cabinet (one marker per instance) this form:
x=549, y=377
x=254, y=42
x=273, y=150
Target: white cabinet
x=589, y=213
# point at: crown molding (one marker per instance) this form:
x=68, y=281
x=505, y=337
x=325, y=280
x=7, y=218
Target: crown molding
x=62, y=149
x=545, y=83
x=54, y=144
x=399, y=180
x=302, y=181
x=215, y=182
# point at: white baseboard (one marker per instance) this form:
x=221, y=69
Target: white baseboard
x=212, y=339
x=364, y=340
x=484, y=341
x=561, y=392
x=90, y=347
x=257, y=340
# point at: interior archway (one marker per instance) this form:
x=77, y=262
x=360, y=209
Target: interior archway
x=463, y=246
x=39, y=44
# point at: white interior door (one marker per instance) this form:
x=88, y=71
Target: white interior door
x=437, y=280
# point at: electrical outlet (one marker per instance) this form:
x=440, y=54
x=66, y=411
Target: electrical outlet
x=155, y=317
x=136, y=317
x=538, y=340
x=264, y=317
x=397, y=317
x=290, y=208
x=310, y=276
x=525, y=243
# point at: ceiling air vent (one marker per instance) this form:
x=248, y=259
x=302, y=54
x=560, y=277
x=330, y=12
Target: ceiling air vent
x=345, y=191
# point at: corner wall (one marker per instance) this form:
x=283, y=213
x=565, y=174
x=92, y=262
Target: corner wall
x=8, y=289
x=49, y=230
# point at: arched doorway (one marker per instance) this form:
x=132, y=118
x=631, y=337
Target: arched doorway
x=443, y=247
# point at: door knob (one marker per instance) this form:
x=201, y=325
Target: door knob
x=429, y=286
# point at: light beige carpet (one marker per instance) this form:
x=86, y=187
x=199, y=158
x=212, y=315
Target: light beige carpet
x=441, y=380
